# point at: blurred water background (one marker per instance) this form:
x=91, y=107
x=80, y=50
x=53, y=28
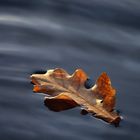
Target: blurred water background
x=95, y=35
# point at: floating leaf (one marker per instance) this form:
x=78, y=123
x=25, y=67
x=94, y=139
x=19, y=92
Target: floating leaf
x=66, y=91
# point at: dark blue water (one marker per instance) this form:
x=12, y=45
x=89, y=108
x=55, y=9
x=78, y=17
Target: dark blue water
x=95, y=35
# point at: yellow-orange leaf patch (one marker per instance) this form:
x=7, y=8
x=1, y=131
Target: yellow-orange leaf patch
x=65, y=91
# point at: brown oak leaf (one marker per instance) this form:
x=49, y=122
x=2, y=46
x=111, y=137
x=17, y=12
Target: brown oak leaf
x=66, y=91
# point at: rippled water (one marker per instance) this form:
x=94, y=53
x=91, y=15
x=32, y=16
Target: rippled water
x=95, y=35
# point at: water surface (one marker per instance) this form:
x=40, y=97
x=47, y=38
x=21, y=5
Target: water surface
x=95, y=35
